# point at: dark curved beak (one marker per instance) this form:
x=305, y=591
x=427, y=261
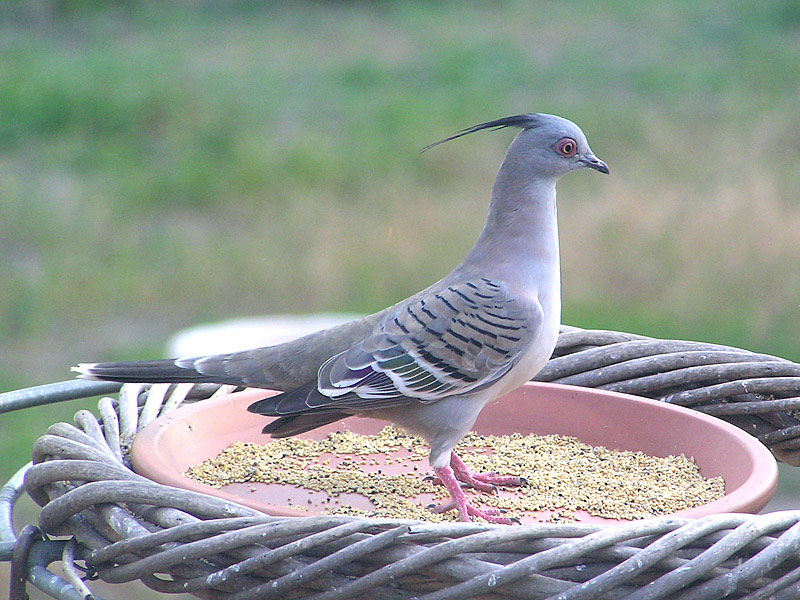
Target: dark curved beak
x=591, y=161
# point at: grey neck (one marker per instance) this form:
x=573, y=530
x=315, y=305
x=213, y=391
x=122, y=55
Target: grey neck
x=519, y=243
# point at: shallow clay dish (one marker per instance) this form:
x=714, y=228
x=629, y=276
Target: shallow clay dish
x=163, y=450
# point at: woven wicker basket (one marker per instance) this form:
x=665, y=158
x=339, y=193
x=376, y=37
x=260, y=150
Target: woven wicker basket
x=126, y=527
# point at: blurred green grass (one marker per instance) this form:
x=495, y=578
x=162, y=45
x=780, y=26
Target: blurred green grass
x=167, y=163
x=164, y=164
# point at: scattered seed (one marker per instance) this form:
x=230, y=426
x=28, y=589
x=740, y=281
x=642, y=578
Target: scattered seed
x=563, y=474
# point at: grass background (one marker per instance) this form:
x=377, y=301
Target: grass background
x=166, y=164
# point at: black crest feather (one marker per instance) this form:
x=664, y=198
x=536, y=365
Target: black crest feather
x=523, y=121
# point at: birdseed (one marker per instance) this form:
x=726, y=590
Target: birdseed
x=564, y=475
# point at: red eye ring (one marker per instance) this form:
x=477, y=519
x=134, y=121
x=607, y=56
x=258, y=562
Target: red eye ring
x=566, y=147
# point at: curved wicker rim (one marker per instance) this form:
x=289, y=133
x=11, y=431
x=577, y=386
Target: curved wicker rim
x=127, y=527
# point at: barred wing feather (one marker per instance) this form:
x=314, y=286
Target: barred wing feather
x=456, y=340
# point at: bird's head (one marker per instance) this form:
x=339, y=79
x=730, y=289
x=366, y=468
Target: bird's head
x=548, y=145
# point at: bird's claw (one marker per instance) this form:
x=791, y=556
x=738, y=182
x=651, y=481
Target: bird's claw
x=457, y=474
x=489, y=514
x=487, y=482
x=470, y=483
x=433, y=480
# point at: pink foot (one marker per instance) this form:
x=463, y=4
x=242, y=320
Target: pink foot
x=484, y=513
x=486, y=482
x=459, y=500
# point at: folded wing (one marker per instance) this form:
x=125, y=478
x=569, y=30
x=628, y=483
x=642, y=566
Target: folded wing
x=452, y=341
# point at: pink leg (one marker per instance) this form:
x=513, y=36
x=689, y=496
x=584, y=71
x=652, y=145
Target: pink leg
x=486, y=482
x=459, y=500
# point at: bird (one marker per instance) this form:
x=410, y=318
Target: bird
x=431, y=362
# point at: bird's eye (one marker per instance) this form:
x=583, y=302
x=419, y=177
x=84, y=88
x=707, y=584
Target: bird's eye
x=566, y=147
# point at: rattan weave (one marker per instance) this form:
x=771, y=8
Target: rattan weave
x=129, y=528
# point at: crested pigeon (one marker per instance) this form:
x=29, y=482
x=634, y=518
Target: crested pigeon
x=432, y=361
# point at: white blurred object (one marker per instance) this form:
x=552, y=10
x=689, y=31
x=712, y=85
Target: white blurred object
x=250, y=332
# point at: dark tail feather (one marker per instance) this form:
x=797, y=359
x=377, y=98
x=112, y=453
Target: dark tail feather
x=145, y=371
x=167, y=371
x=295, y=424
x=294, y=415
x=301, y=399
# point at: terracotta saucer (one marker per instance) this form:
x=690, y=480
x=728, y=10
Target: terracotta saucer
x=163, y=450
